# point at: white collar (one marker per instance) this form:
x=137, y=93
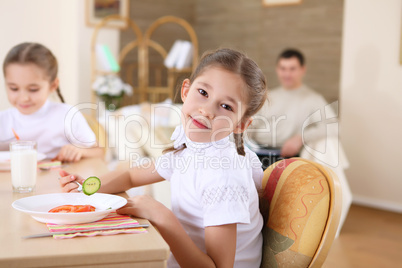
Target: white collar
x=179, y=137
x=38, y=114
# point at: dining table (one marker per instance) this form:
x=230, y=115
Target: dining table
x=122, y=250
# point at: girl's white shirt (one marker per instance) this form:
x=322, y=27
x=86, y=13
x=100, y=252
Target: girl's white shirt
x=212, y=185
x=52, y=126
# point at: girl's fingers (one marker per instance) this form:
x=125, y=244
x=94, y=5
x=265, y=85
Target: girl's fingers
x=70, y=187
x=70, y=178
x=61, y=156
x=74, y=191
x=67, y=156
x=73, y=155
x=67, y=153
x=68, y=182
x=127, y=209
x=63, y=173
x=79, y=179
x=57, y=158
x=66, y=179
x=120, y=211
x=78, y=157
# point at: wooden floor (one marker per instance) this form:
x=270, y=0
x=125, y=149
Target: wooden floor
x=369, y=238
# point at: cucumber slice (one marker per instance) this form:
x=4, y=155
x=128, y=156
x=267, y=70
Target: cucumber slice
x=91, y=185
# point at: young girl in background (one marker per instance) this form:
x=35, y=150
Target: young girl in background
x=215, y=219
x=30, y=72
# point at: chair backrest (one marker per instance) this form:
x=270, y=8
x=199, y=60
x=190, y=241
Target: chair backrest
x=301, y=206
x=140, y=72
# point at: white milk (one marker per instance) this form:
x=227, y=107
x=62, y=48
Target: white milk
x=23, y=169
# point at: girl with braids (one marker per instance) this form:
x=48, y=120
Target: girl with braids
x=215, y=219
x=30, y=72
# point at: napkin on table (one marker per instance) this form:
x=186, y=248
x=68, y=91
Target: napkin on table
x=49, y=164
x=112, y=220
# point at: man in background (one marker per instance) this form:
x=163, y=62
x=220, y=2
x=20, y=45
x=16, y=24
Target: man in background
x=284, y=122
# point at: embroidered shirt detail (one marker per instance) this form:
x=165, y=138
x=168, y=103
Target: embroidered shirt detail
x=215, y=195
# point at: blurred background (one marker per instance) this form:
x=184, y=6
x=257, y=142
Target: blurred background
x=352, y=49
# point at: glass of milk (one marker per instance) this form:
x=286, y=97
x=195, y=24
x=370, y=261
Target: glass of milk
x=23, y=166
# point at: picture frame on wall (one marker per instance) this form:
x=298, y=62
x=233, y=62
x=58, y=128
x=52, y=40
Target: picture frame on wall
x=96, y=10
x=269, y=3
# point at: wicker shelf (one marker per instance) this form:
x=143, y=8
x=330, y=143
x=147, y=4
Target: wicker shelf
x=142, y=68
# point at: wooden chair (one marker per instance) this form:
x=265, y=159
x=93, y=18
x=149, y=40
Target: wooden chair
x=301, y=205
x=98, y=129
x=139, y=72
x=150, y=92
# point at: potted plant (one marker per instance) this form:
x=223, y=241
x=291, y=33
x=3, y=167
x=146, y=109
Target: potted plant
x=111, y=89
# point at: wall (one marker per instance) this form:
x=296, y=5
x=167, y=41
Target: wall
x=144, y=13
x=40, y=21
x=59, y=25
x=107, y=36
x=314, y=27
x=371, y=101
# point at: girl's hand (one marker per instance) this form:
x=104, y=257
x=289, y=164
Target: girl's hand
x=69, y=153
x=143, y=206
x=220, y=241
x=68, y=182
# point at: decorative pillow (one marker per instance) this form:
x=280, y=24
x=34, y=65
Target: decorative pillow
x=295, y=206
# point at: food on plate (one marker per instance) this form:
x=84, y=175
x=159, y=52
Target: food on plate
x=91, y=185
x=72, y=209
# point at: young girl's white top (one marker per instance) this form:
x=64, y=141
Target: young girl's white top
x=212, y=185
x=52, y=126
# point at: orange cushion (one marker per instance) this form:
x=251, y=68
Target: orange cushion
x=295, y=204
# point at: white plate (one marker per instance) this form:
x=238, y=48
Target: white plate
x=38, y=206
x=5, y=157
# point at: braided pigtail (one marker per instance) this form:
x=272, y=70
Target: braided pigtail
x=238, y=139
x=59, y=94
